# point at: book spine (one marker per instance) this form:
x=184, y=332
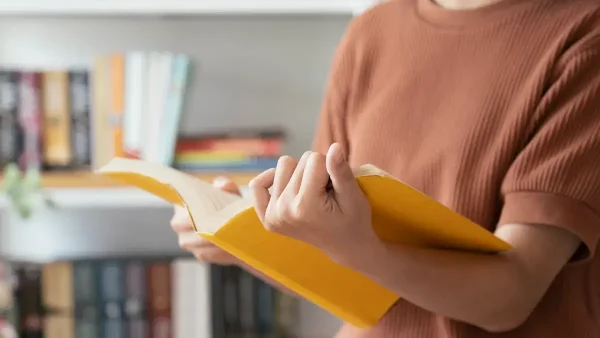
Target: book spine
x=247, y=304
x=57, y=295
x=217, y=297
x=81, y=133
x=30, y=119
x=30, y=302
x=231, y=302
x=265, y=311
x=135, y=306
x=245, y=165
x=87, y=304
x=102, y=145
x=9, y=129
x=255, y=146
x=117, y=68
x=135, y=104
x=56, y=122
x=112, y=299
x=159, y=299
x=285, y=314
x=174, y=104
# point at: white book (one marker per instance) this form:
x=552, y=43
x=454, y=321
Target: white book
x=191, y=299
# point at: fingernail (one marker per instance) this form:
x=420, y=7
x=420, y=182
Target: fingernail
x=337, y=153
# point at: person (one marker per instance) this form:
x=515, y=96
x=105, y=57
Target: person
x=491, y=107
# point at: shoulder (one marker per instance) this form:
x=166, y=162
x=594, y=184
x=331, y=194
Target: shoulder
x=580, y=23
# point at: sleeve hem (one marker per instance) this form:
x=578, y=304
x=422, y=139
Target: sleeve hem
x=554, y=210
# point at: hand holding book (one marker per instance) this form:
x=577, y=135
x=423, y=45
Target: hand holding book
x=317, y=200
x=189, y=240
x=307, y=233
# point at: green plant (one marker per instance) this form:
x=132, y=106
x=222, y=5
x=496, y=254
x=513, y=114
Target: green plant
x=24, y=190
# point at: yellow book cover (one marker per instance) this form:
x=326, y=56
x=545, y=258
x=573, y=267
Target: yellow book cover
x=401, y=215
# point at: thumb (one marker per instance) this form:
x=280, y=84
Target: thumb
x=339, y=170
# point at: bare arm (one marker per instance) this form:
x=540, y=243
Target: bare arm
x=494, y=292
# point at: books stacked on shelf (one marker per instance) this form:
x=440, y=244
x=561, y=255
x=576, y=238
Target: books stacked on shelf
x=237, y=151
x=147, y=298
x=125, y=104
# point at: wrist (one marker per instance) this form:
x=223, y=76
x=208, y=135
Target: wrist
x=365, y=257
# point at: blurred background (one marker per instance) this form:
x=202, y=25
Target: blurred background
x=209, y=87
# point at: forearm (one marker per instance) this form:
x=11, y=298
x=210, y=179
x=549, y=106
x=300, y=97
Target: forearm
x=266, y=279
x=482, y=290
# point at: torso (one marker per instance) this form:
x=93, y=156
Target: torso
x=422, y=114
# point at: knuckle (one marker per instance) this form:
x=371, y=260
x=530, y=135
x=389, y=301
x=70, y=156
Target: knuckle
x=298, y=212
x=284, y=160
x=316, y=157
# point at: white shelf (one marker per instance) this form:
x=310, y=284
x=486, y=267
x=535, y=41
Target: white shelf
x=103, y=198
x=165, y=7
x=113, y=198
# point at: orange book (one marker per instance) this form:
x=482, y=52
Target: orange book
x=117, y=69
x=401, y=215
x=57, y=124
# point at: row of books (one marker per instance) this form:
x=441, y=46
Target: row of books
x=146, y=298
x=236, y=150
x=125, y=105
x=45, y=118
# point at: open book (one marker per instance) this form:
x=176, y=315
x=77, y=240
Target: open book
x=401, y=215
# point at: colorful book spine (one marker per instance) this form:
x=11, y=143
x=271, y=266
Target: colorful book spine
x=30, y=120
x=173, y=108
x=9, y=129
x=56, y=121
x=80, y=111
x=135, y=304
x=87, y=301
x=117, y=71
x=242, y=165
x=159, y=299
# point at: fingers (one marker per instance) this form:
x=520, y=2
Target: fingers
x=192, y=241
x=315, y=178
x=227, y=185
x=283, y=173
x=296, y=179
x=259, y=187
x=340, y=171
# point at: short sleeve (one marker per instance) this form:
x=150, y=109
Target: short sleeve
x=555, y=180
x=331, y=126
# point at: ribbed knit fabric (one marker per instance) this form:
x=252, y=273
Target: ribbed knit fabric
x=494, y=112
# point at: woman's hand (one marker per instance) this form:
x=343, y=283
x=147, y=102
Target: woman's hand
x=304, y=204
x=202, y=249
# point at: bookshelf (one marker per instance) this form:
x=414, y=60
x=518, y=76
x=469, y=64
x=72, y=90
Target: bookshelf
x=87, y=190
x=175, y=7
x=81, y=179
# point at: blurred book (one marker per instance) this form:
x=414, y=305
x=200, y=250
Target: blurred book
x=147, y=298
x=231, y=151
